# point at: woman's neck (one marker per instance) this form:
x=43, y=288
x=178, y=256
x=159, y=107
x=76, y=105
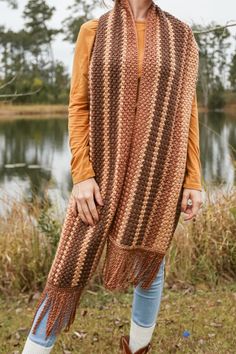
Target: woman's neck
x=140, y=8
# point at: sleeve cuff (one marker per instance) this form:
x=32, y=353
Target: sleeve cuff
x=82, y=175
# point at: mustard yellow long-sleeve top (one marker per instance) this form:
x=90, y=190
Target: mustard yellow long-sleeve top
x=78, y=111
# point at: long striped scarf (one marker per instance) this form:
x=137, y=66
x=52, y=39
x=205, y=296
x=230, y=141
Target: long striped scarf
x=138, y=147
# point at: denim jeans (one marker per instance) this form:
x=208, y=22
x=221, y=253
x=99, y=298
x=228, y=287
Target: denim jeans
x=146, y=302
x=145, y=308
x=40, y=336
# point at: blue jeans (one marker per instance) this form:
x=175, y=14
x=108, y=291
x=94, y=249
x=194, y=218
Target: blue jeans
x=145, y=308
x=146, y=302
x=40, y=335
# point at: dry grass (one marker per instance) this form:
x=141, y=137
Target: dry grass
x=205, y=251
x=10, y=111
x=202, y=252
x=25, y=253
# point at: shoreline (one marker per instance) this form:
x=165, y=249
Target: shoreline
x=61, y=111
x=33, y=111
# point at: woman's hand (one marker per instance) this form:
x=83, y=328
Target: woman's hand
x=196, y=198
x=83, y=194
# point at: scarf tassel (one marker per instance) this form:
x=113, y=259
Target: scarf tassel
x=125, y=266
x=62, y=304
x=121, y=268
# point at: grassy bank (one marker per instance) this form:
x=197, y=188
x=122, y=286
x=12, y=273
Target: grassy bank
x=208, y=316
x=9, y=111
x=28, y=111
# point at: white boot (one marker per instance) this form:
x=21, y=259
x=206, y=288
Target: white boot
x=34, y=348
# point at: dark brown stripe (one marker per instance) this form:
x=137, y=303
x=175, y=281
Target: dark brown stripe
x=96, y=109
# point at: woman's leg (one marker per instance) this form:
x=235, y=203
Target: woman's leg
x=37, y=343
x=145, y=308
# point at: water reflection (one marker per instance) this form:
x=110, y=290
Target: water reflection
x=218, y=148
x=35, y=155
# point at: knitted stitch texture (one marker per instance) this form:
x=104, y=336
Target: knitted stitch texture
x=138, y=148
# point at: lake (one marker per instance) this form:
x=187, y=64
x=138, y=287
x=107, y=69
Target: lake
x=35, y=155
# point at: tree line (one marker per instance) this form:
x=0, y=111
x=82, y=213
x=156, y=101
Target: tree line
x=30, y=73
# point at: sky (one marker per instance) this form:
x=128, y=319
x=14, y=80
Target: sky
x=198, y=11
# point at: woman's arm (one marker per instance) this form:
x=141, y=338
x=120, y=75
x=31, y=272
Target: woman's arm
x=85, y=192
x=78, y=110
x=192, y=181
x=192, y=178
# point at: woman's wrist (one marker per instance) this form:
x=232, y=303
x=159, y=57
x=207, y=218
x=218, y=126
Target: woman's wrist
x=78, y=179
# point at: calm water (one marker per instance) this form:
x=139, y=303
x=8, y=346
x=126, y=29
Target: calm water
x=35, y=155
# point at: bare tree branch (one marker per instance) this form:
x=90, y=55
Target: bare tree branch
x=7, y=83
x=20, y=94
x=215, y=28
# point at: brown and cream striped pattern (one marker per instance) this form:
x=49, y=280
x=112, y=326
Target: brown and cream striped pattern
x=138, y=148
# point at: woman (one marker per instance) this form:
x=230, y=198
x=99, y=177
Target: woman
x=134, y=138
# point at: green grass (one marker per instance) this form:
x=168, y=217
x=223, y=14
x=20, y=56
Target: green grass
x=102, y=317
